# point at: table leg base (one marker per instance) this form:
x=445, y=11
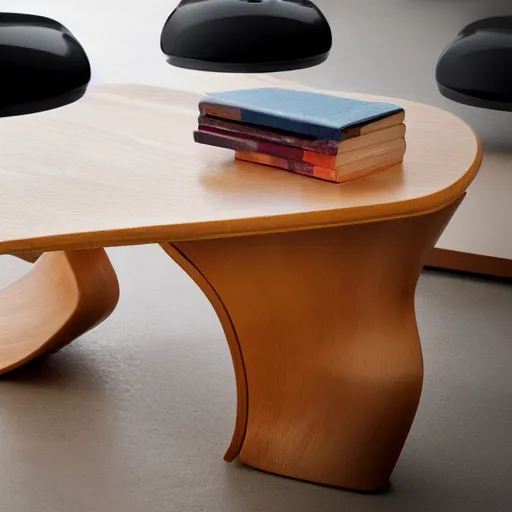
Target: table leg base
x=64, y=295
x=322, y=330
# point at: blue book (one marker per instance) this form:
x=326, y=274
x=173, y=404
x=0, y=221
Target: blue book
x=314, y=115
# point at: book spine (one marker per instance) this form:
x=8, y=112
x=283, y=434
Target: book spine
x=224, y=112
x=324, y=147
x=321, y=160
x=289, y=165
x=239, y=143
x=270, y=120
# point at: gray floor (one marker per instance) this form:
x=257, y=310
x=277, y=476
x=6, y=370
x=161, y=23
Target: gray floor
x=136, y=415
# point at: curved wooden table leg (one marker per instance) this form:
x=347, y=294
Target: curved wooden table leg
x=322, y=330
x=64, y=295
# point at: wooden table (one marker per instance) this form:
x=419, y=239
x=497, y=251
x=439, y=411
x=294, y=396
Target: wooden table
x=313, y=282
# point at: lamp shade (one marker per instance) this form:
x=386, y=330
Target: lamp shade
x=476, y=68
x=42, y=66
x=251, y=36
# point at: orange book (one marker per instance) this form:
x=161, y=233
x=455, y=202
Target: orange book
x=351, y=171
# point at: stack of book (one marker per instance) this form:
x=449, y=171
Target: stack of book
x=328, y=137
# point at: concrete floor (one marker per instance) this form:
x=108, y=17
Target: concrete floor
x=136, y=415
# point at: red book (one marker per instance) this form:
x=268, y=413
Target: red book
x=326, y=147
x=242, y=142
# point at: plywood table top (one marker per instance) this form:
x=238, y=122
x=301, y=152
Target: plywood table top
x=120, y=167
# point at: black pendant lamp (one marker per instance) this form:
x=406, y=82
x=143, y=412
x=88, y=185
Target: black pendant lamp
x=42, y=66
x=246, y=36
x=476, y=68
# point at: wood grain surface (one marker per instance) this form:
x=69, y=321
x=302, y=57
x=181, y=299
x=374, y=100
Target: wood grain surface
x=234, y=347
x=120, y=167
x=470, y=263
x=322, y=330
x=63, y=296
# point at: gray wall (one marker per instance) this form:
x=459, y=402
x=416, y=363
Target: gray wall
x=390, y=47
